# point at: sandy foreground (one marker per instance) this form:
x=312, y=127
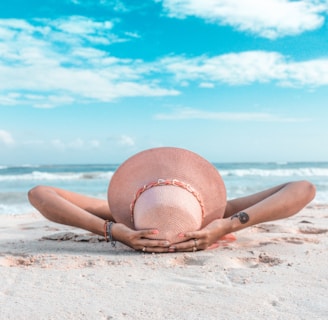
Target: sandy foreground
x=277, y=270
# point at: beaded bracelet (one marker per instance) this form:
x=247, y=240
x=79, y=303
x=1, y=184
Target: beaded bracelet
x=105, y=231
x=108, y=233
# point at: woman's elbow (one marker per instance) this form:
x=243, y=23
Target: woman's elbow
x=35, y=194
x=308, y=190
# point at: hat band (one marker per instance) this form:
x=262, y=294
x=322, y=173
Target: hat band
x=166, y=182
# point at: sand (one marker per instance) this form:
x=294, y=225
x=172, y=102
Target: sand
x=277, y=270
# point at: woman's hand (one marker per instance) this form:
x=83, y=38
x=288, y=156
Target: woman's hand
x=204, y=238
x=139, y=240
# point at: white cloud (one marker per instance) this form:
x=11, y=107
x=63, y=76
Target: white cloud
x=6, y=138
x=133, y=35
x=306, y=73
x=37, y=100
x=206, y=85
x=49, y=63
x=47, y=58
x=116, y=5
x=9, y=99
x=75, y=144
x=249, y=67
x=79, y=28
x=125, y=140
x=270, y=18
x=95, y=144
x=58, y=144
x=35, y=142
x=81, y=25
x=195, y=114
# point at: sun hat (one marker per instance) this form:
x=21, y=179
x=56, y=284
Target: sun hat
x=170, y=189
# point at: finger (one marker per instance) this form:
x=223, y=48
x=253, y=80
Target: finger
x=155, y=250
x=189, y=245
x=154, y=243
x=150, y=244
x=213, y=246
x=147, y=233
x=191, y=235
x=180, y=249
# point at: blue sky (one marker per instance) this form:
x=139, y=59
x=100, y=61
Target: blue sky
x=96, y=81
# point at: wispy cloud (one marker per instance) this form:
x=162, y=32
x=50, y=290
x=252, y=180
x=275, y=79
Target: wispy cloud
x=48, y=63
x=6, y=138
x=74, y=144
x=121, y=140
x=116, y=5
x=195, y=114
x=47, y=58
x=269, y=19
x=248, y=67
x=79, y=29
x=125, y=140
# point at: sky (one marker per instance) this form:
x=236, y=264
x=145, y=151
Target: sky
x=96, y=81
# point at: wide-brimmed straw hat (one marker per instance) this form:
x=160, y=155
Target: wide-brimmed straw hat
x=170, y=189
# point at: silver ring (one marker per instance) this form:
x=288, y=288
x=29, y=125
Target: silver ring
x=195, y=241
x=144, y=249
x=194, y=249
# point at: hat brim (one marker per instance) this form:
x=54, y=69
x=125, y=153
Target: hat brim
x=166, y=163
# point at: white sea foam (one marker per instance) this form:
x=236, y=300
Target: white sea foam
x=13, y=209
x=321, y=197
x=47, y=176
x=299, y=172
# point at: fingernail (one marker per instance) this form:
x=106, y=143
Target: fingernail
x=166, y=243
x=181, y=235
x=155, y=232
x=171, y=249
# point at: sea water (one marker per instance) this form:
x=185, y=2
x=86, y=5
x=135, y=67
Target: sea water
x=240, y=179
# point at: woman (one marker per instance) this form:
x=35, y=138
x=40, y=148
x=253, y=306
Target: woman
x=186, y=171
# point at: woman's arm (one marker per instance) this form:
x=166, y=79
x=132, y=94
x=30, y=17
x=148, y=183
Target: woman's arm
x=73, y=209
x=272, y=204
x=70, y=208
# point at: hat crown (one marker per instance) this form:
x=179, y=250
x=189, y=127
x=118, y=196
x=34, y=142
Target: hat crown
x=170, y=209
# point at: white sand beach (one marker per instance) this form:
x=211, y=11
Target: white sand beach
x=276, y=270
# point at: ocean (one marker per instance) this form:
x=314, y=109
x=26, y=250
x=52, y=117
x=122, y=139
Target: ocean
x=240, y=179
